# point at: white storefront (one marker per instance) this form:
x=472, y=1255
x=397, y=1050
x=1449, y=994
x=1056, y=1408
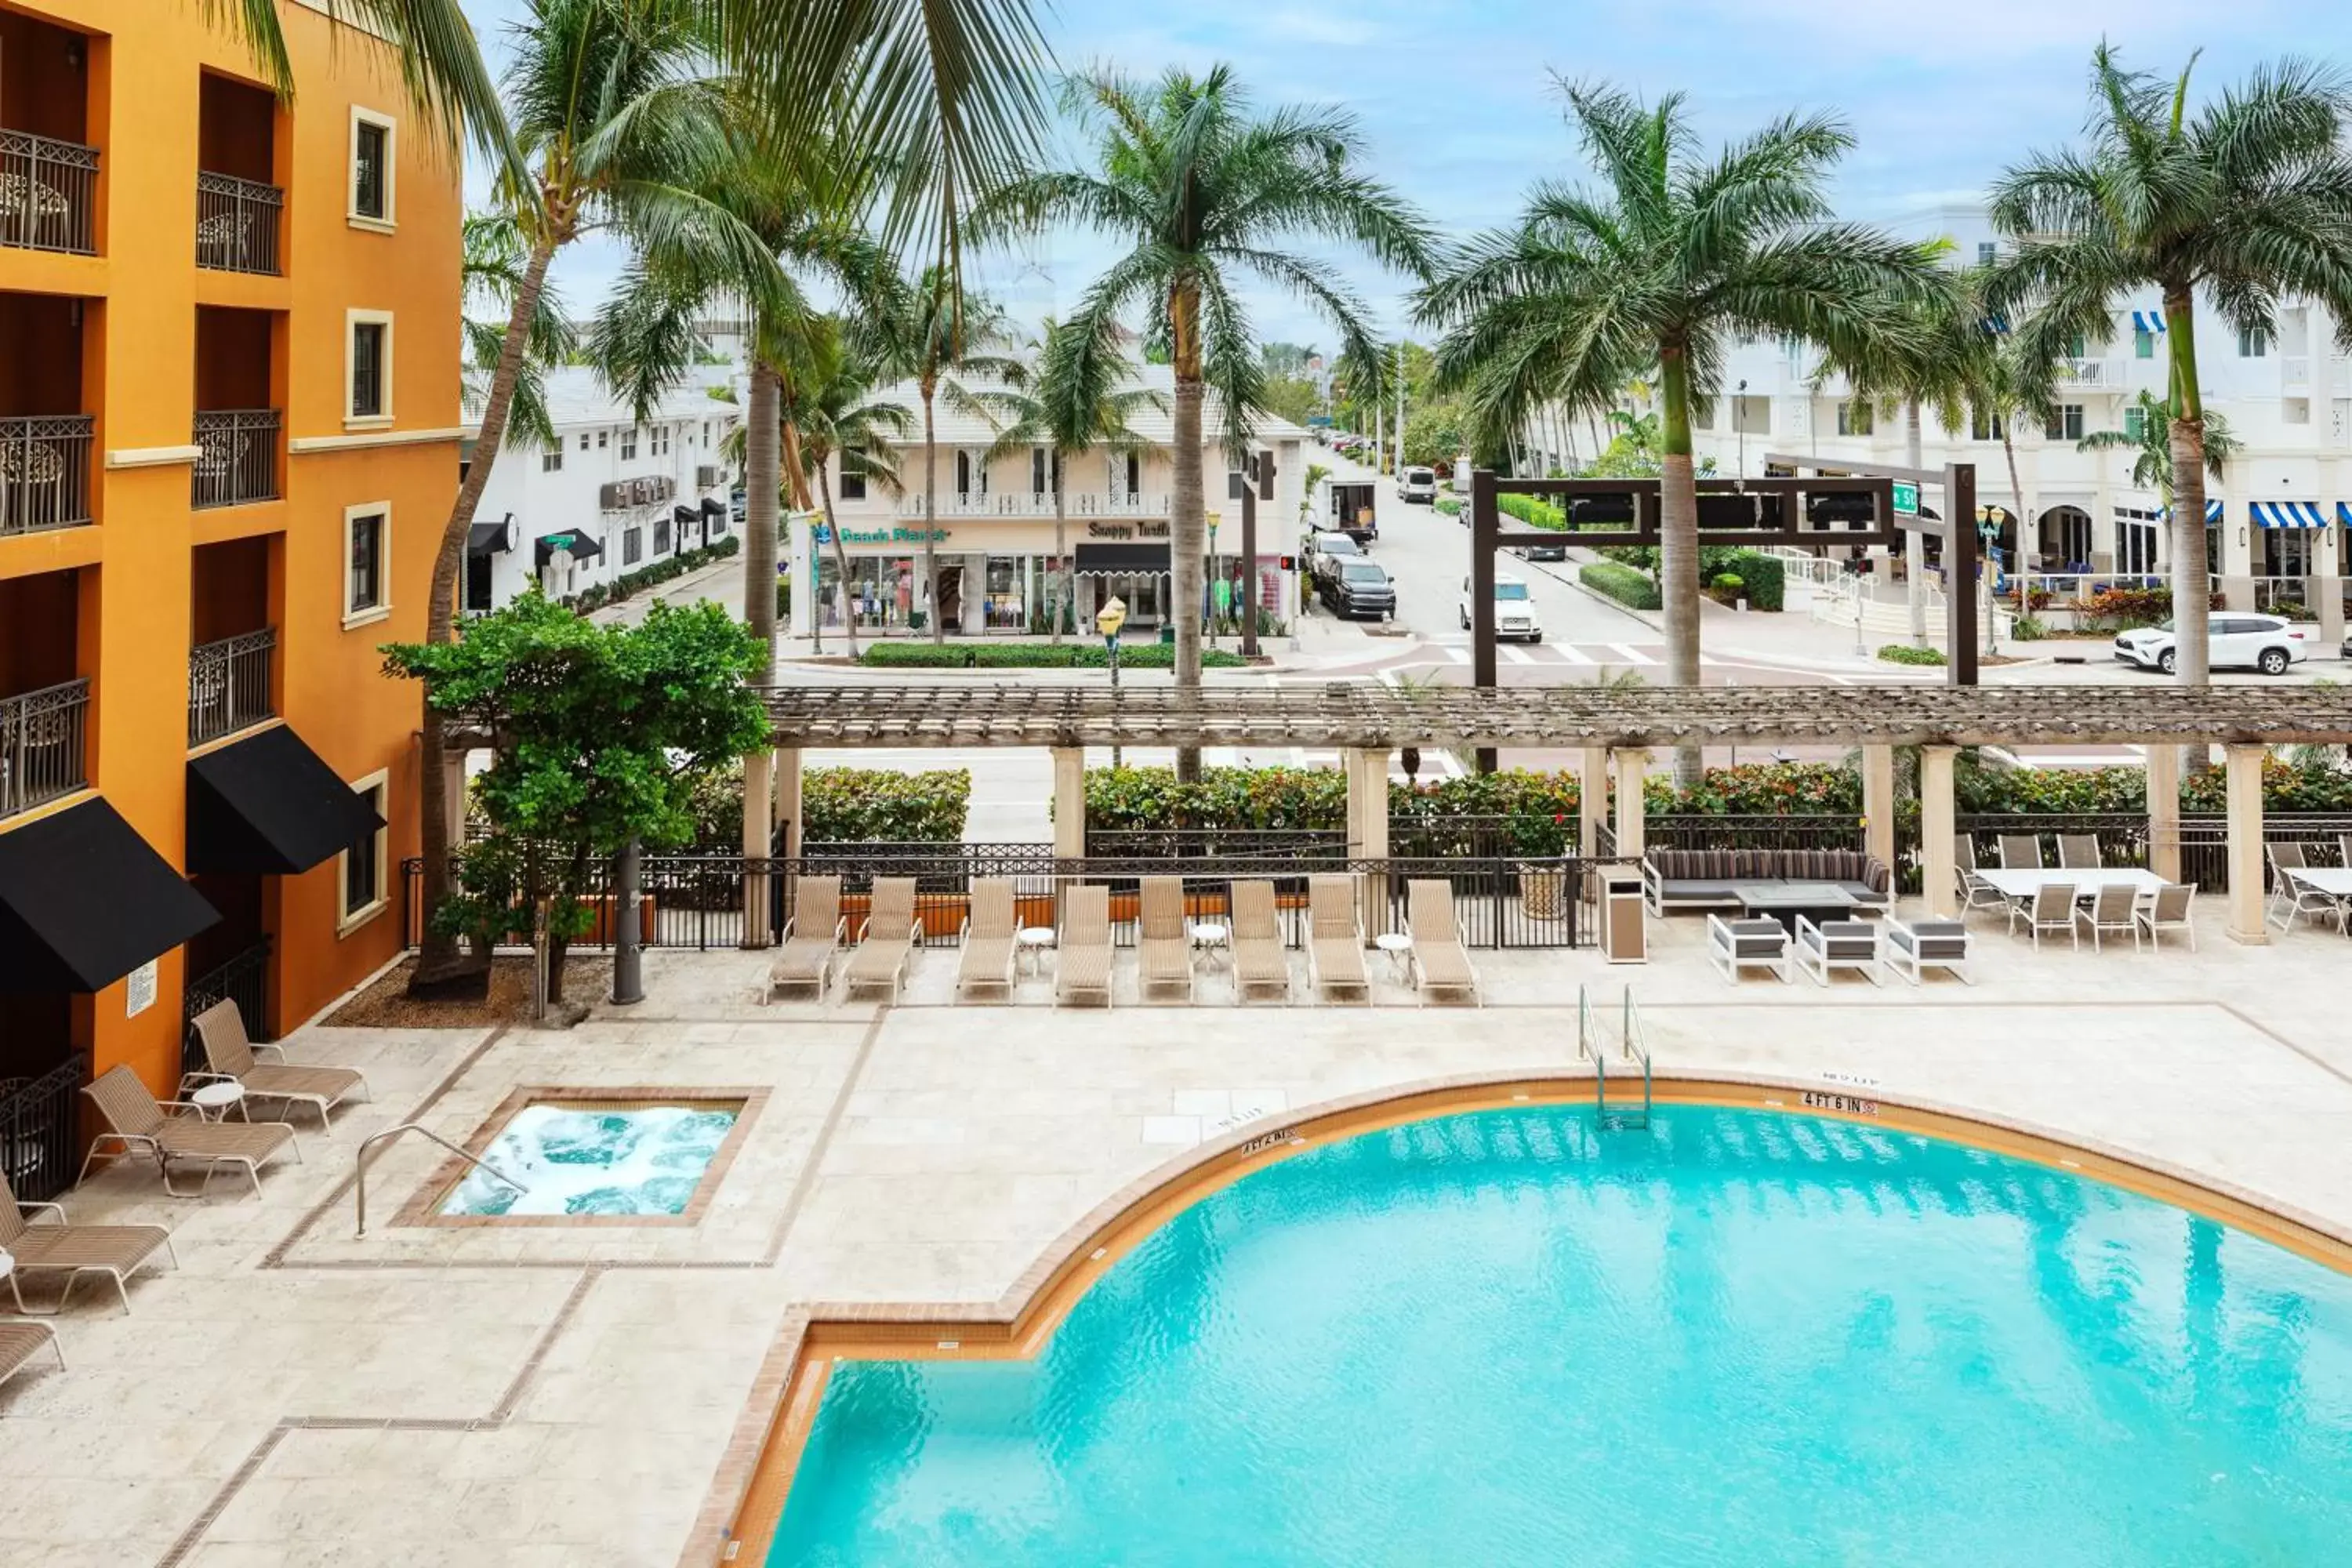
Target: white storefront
x=609, y=497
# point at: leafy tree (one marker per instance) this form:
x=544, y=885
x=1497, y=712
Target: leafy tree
x=2151, y=445
x=598, y=733
x=1202, y=191
x=1433, y=432
x=2250, y=199
x=1659, y=269
x=491, y=270
x=829, y=398
x=1290, y=397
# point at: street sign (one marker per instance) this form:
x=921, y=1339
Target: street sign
x=1906, y=498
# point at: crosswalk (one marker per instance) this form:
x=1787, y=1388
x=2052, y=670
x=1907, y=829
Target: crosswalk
x=1586, y=655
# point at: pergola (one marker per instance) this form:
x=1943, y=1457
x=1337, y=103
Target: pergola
x=1614, y=727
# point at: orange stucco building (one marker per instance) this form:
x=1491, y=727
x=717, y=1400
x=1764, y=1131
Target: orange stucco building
x=228, y=441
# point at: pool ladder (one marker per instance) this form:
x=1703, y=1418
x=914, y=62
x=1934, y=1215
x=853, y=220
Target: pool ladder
x=360, y=1176
x=1633, y=1050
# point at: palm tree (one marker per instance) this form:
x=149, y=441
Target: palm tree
x=1203, y=192
x=491, y=270
x=2149, y=441
x=1084, y=397
x=2250, y=199
x=1656, y=270
x=828, y=398
x=938, y=335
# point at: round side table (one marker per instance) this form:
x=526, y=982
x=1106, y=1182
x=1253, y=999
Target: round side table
x=214, y=1100
x=1398, y=947
x=1031, y=942
x=1211, y=939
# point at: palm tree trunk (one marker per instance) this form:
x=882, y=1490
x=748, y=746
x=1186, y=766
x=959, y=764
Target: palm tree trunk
x=840, y=561
x=1678, y=546
x=2025, y=521
x=1187, y=525
x=438, y=957
x=1915, y=543
x=1058, y=587
x=763, y=434
x=2191, y=588
x=930, y=518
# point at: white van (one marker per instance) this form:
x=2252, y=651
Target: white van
x=1417, y=484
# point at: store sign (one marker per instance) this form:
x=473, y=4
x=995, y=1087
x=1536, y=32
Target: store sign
x=824, y=535
x=1127, y=529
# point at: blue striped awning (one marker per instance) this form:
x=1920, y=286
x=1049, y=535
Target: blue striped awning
x=2288, y=514
x=2147, y=321
x=2213, y=513
x=2344, y=513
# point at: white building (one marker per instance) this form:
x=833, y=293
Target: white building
x=610, y=496
x=994, y=525
x=2277, y=519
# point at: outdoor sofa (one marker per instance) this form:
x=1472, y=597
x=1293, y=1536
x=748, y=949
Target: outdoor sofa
x=1680, y=879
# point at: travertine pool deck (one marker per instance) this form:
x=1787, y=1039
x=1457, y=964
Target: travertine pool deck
x=542, y=1395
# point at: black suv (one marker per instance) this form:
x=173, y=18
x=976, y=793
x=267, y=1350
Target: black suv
x=1360, y=589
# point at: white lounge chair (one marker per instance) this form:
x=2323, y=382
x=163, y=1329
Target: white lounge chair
x=1736, y=945
x=1837, y=944
x=1917, y=946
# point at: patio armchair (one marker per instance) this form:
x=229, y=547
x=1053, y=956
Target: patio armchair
x=2020, y=851
x=1837, y=944
x=1335, y=937
x=811, y=940
x=1440, y=963
x=2168, y=909
x=2290, y=898
x=1976, y=893
x=1163, y=947
x=885, y=941
x=21, y=1343
x=116, y=1251
x=1759, y=943
x=990, y=932
x=2112, y=908
x=1259, y=961
x=2052, y=909
x=230, y=1053
x=2078, y=852
x=1914, y=947
x=1082, y=956
x=137, y=1123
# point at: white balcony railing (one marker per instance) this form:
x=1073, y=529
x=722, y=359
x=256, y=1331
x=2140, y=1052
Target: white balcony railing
x=1040, y=503
x=2295, y=371
x=2090, y=373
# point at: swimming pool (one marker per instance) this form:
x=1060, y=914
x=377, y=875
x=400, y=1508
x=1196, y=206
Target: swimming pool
x=591, y=1159
x=1739, y=1338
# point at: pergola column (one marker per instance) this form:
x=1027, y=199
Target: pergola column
x=1936, y=829
x=759, y=773
x=1633, y=765
x=2164, y=812
x=1368, y=829
x=2244, y=778
x=1878, y=803
x=787, y=816
x=1069, y=803
x=1592, y=800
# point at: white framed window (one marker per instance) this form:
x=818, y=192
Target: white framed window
x=628, y=444
x=661, y=441
x=1983, y=427
x=367, y=563
x=367, y=368
x=1988, y=251
x=552, y=460
x=584, y=440
x=374, y=149
x=2064, y=424
x=600, y=439
x=2142, y=343
x=632, y=546
x=1856, y=418
x=2135, y=422
x=853, y=473
x=2253, y=344
x=362, y=876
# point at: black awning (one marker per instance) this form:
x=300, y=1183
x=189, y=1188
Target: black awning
x=1122, y=558
x=713, y=508
x=685, y=516
x=268, y=806
x=84, y=902
x=485, y=538
x=582, y=547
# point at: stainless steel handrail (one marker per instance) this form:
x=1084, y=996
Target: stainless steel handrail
x=359, y=1185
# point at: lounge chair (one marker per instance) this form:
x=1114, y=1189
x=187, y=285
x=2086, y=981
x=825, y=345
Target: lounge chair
x=988, y=940
x=137, y=1125
x=73, y=1250
x=1976, y=893
x=2078, y=852
x=230, y=1053
x=1440, y=962
x=1163, y=947
x=1335, y=937
x=812, y=939
x=889, y=936
x=1837, y=944
x=20, y=1343
x=1736, y=945
x=2020, y=851
x=1920, y=945
x=1082, y=956
x=2050, y=908
x=2111, y=910
x=2168, y=909
x=1259, y=961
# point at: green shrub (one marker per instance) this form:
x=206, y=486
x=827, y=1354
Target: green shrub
x=1622, y=584
x=2027, y=628
x=1728, y=584
x=1532, y=511
x=1903, y=653
x=1450, y=505
x=837, y=804
x=907, y=653
x=1763, y=577
x=1265, y=798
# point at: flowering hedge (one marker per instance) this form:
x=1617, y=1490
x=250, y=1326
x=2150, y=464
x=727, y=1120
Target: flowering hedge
x=858, y=804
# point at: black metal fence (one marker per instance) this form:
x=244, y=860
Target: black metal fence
x=40, y=1135
x=236, y=224
x=45, y=471
x=48, y=193
x=42, y=750
x=229, y=684
x=238, y=460
x=1317, y=843
x=244, y=979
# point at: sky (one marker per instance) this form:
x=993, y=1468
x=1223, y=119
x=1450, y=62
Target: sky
x=1459, y=107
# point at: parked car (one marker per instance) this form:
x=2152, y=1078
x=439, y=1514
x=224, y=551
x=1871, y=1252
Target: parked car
x=2267, y=643
x=1541, y=552
x=1325, y=554
x=1515, y=610
x=1417, y=484
x=1359, y=589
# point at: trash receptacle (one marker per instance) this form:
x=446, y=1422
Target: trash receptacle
x=1623, y=939
x=1167, y=634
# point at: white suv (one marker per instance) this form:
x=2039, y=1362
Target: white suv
x=2267, y=643
x=1417, y=484
x=1514, y=611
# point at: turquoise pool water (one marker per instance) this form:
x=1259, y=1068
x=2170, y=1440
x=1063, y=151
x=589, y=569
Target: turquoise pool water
x=1740, y=1338
x=643, y=1161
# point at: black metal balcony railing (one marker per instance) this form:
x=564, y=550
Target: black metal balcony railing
x=239, y=461
x=228, y=685
x=41, y=745
x=244, y=979
x=49, y=193
x=39, y=1121
x=236, y=224
x=45, y=472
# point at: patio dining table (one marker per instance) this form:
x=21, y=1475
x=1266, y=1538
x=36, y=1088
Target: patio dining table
x=2023, y=882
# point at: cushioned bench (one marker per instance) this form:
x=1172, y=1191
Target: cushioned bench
x=1673, y=880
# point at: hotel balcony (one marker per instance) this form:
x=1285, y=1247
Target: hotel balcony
x=42, y=745
x=239, y=462
x=45, y=472
x=1040, y=503
x=49, y=179
x=2091, y=374
x=236, y=224
x=229, y=685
